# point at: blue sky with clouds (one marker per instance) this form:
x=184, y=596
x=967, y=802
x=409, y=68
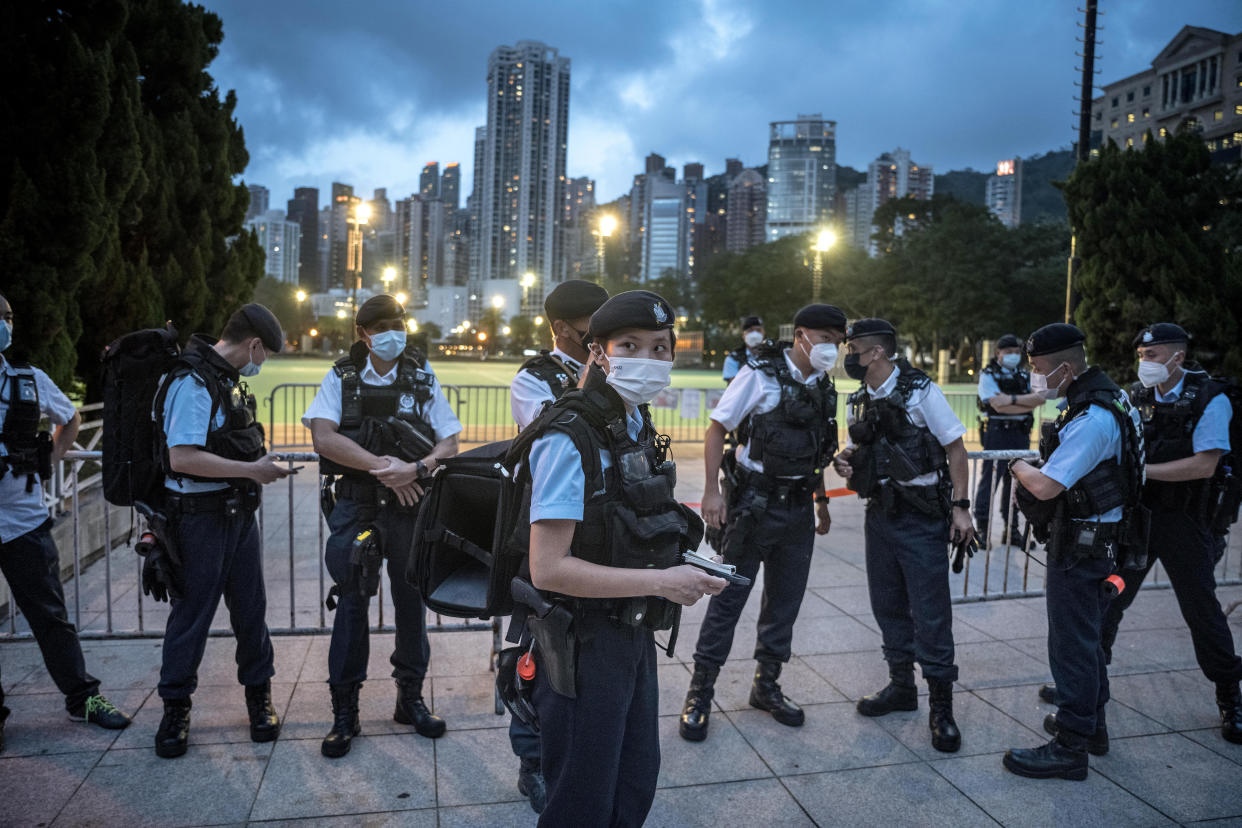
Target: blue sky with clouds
x=366, y=92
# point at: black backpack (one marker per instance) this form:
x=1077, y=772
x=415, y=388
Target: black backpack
x=466, y=550
x=1226, y=489
x=132, y=367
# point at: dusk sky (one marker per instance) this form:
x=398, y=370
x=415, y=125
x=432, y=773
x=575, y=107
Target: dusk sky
x=367, y=92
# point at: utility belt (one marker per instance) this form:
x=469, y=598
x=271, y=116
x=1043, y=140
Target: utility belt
x=232, y=501
x=1084, y=539
x=995, y=423
x=931, y=501
x=367, y=493
x=781, y=489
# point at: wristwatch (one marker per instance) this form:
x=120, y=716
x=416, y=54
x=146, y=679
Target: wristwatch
x=964, y=503
x=422, y=468
x=1013, y=399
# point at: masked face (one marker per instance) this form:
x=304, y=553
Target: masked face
x=854, y=367
x=1011, y=361
x=823, y=356
x=388, y=345
x=251, y=368
x=1151, y=373
x=6, y=334
x=637, y=380
x=1042, y=384
x=753, y=338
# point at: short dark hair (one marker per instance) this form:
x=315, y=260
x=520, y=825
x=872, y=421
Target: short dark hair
x=1075, y=355
x=886, y=341
x=239, y=328
x=381, y=306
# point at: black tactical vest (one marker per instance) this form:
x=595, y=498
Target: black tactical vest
x=557, y=374
x=741, y=355
x=1111, y=484
x=888, y=443
x=241, y=435
x=28, y=451
x=799, y=436
x=404, y=399
x=630, y=517
x=1009, y=382
x=1168, y=434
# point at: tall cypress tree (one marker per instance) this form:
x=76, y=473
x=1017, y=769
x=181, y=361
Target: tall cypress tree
x=1152, y=235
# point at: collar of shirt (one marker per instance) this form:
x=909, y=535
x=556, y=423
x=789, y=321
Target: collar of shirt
x=1174, y=393
x=794, y=372
x=886, y=387
x=567, y=359
x=372, y=377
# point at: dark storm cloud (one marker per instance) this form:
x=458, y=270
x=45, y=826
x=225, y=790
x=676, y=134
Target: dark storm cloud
x=366, y=92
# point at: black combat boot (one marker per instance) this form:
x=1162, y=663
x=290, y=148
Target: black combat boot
x=898, y=695
x=1065, y=757
x=1048, y=693
x=1097, y=745
x=945, y=736
x=531, y=784
x=1229, y=699
x=412, y=710
x=344, y=720
x=765, y=694
x=173, y=737
x=264, y=723
x=697, y=711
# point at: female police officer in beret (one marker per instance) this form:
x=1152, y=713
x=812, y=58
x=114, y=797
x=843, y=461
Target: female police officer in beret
x=599, y=482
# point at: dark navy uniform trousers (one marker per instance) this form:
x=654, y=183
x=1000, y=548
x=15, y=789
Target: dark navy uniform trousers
x=908, y=580
x=1186, y=549
x=1077, y=602
x=31, y=565
x=781, y=537
x=223, y=556
x=601, y=751
x=350, y=649
x=1000, y=434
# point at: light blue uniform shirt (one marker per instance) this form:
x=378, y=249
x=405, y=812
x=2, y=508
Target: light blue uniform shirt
x=988, y=388
x=1212, y=430
x=731, y=367
x=187, y=408
x=558, y=482
x=20, y=510
x=1086, y=441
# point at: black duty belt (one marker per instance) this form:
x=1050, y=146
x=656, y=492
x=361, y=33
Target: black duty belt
x=229, y=501
x=782, y=488
x=1022, y=423
x=362, y=491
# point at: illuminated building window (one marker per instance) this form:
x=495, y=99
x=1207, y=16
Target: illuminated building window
x=1163, y=132
x=1146, y=112
x=1129, y=117
x=1129, y=142
x=1218, y=115
x=1114, y=123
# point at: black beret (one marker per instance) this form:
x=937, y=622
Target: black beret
x=1160, y=333
x=751, y=322
x=380, y=306
x=632, y=309
x=1053, y=338
x=869, y=327
x=573, y=299
x=820, y=317
x=266, y=325
x=1009, y=341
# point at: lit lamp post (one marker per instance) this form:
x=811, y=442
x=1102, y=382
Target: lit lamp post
x=823, y=242
x=301, y=297
x=353, y=262
x=528, y=281
x=387, y=277
x=607, y=223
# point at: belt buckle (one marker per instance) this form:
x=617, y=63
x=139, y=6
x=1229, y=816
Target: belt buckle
x=232, y=506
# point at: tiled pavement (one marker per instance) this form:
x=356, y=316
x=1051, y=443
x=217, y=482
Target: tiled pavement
x=1168, y=763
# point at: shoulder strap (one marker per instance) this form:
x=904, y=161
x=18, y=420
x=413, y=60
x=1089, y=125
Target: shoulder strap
x=351, y=395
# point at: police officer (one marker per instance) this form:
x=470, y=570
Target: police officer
x=28, y=555
x=381, y=426
x=752, y=338
x=905, y=456
x=543, y=379
x=1005, y=420
x=1077, y=499
x=216, y=465
x=596, y=469
x=784, y=406
x=1186, y=432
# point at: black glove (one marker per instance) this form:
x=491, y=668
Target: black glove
x=161, y=578
x=961, y=551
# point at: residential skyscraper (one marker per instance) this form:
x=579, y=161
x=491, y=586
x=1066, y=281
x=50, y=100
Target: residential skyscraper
x=892, y=175
x=1004, y=192
x=259, y=197
x=747, y=211
x=450, y=186
x=343, y=205
x=281, y=243
x=802, y=175
x=523, y=174
x=303, y=208
x=429, y=181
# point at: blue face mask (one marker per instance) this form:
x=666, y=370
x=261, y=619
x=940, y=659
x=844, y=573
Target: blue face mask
x=1011, y=361
x=6, y=335
x=388, y=345
x=250, y=369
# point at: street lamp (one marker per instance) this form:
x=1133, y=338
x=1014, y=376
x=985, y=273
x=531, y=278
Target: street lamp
x=528, y=281
x=300, y=296
x=607, y=223
x=389, y=274
x=498, y=301
x=353, y=262
x=401, y=297
x=824, y=241
x=538, y=320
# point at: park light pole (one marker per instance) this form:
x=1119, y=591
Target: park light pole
x=528, y=281
x=353, y=262
x=300, y=296
x=607, y=224
x=387, y=276
x=823, y=243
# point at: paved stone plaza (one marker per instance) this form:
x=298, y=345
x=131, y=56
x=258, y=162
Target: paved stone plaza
x=1168, y=763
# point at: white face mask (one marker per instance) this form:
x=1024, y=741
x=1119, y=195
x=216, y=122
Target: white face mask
x=388, y=345
x=752, y=338
x=1039, y=385
x=637, y=380
x=823, y=356
x=1152, y=374
x=1011, y=361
